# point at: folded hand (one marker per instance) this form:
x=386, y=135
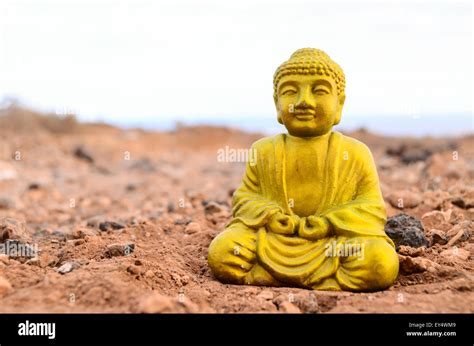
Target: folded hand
x=282, y=224
x=313, y=228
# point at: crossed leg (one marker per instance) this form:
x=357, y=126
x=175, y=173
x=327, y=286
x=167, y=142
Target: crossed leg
x=232, y=258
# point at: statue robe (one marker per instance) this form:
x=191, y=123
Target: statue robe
x=349, y=198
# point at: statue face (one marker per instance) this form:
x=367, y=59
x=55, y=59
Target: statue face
x=308, y=105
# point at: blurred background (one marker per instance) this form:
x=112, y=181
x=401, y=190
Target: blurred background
x=153, y=64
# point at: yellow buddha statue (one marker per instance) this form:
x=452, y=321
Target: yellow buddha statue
x=309, y=212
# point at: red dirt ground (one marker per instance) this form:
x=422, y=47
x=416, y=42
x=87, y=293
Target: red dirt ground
x=70, y=178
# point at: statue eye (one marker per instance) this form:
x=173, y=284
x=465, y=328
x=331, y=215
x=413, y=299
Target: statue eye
x=288, y=92
x=320, y=91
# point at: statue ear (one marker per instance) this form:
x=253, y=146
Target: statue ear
x=340, y=104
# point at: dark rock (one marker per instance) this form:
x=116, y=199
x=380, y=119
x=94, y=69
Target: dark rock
x=110, y=225
x=94, y=221
x=463, y=203
x=414, y=152
x=83, y=154
x=206, y=202
x=134, y=270
x=184, y=221
x=34, y=186
x=404, y=229
x=131, y=187
x=171, y=207
x=144, y=164
x=114, y=250
x=59, y=234
x=103, y=170
x=395, y=150
x=211, y=207
x=81, y=233
x=459, y=202
x=438, y=237
x=409, y=153
x=42, y=233
x=6, y=203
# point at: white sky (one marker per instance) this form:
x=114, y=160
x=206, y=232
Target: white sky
x=125, y=60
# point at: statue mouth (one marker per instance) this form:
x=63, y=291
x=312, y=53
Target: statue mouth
x=305, y=116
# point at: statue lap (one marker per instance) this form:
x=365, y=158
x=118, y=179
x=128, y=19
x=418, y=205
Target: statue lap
x=233, y=259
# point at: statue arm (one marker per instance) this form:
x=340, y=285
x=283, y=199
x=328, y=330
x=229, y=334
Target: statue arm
x=249, y=205
x=363, y=215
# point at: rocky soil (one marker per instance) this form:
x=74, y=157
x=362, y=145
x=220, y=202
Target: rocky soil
x=113, y=220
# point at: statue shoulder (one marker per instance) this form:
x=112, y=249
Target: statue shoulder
x=266, y=143
x=354, y=146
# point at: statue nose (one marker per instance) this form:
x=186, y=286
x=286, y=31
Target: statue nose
x=303, y=104
x=304, y=100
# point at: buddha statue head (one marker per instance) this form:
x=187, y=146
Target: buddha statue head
x=309, y=93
